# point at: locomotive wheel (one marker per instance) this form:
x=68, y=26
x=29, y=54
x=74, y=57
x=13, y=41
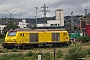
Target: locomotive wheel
x=23, y=47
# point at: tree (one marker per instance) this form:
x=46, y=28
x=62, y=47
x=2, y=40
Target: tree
x=68, y=26
x=75, y=53
x=4, y=18
x=83, y=39
x=10, y=25
x=34, y=26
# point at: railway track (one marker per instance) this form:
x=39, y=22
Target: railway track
x=42, y=50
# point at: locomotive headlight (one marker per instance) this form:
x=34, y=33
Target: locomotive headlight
x=66, y=37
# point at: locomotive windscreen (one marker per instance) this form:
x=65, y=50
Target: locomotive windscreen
x=11, y=33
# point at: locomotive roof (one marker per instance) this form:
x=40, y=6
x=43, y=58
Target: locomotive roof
x=38, y=30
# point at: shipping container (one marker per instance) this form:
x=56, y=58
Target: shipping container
x=88, y=30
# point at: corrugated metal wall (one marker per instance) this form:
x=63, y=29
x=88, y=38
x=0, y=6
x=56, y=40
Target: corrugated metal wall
x=55, y=36
x=33, y=37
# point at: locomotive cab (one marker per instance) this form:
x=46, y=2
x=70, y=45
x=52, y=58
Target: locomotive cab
x=11, y=37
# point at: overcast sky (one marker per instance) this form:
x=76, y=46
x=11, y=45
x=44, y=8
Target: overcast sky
x=26, y=8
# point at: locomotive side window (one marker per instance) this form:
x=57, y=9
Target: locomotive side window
x=11, y=33
x=20, y=34
x=65, y=34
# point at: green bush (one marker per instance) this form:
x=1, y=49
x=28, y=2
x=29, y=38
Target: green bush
x=86, y=44
x=29, y=54
x=5, y=50
x=46, y=56
x=1, y=51
x=88, y=51
x=59, y=54
x=2, y=36
x=14, y=50
x=75, y=52
x=12, y=57
x=4, y=57
x=83, y=39
x=34, y=56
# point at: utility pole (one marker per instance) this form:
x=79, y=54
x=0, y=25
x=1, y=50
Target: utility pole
x=85, y=11
x=36, y=15
x=72, y=22
x=54, y=52
x=86, y=16
x=44, y=10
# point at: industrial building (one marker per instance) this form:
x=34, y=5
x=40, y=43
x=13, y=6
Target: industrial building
x=59, y=21
x=84, y=21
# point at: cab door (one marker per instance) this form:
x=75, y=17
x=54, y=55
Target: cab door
x=25, y=37
x=20, y=38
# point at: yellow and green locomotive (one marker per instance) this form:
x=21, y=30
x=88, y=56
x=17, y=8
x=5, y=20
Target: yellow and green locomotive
x=34, y=37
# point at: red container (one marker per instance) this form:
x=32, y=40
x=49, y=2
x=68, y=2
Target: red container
x=88, y=30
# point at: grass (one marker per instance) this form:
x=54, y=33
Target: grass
x=86, y=44
x=15, y=50
x=64, y=49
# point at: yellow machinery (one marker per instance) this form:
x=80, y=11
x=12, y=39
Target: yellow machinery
x=34, y=37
